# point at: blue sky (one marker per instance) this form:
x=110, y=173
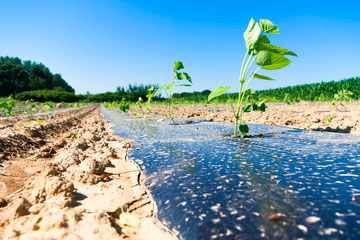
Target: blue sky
x=99, y=45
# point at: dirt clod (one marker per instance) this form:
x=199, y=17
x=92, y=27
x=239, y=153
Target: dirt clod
x=275, y=216
x=96, y=167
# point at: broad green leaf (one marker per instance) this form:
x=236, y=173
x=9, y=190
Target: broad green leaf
x=178, y=65
x=263, y=77
x=262, y=106
x=247, y=108
x=251, y=34
x=244, y=129
x=179, y=75
x=254, y=106
x=263, y=39
x=268, y=27
x=271, y=61
x=186, y=76
x=159, y=90
x=218, y=92
x=274, y=49
x=258, y=46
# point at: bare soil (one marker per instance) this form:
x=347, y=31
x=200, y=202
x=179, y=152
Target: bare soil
x=69, y=178
x=343, y=118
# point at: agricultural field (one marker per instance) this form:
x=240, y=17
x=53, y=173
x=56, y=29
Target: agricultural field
x=148, y=161
x=321, y=116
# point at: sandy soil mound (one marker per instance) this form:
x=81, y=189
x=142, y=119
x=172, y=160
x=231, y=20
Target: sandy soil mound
x=310, y=116
x=69, y=178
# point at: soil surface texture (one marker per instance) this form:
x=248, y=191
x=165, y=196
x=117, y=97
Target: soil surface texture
x=67, y=176
x=344, y=118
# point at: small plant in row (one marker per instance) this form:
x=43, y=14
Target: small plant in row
x=176, y=82
x=266, y=56
x=8, y=105
x=123, y=105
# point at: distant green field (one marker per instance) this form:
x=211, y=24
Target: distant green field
x=323, y=91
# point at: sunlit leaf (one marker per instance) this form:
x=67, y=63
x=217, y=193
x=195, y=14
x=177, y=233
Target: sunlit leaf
x=178, y=65
x=274, y=49
x=218, y=92
x=271, y=61
x=251, y=34
x=247, y=108
x=186, y=76
x=159, y=90
x=268, y=27
x=179, y=75
x=263, y=77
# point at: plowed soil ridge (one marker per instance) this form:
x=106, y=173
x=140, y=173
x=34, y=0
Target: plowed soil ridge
x=69, y=178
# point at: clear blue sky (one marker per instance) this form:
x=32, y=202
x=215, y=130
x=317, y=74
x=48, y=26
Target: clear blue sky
x=99, y=45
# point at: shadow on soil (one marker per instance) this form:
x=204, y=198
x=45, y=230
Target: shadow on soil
x=330, y=129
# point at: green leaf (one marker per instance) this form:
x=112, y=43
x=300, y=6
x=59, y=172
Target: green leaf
x=260, y=41
x=251, y=34
x=254, y=106
x=268, y=27
x=262, y=106
x=263, y=39
x=186, y=76
x=271, y=61
x=249, y=92
x=179, y=75
x=244, y=129
x=159, y=90
x=183, y=85
x=218, y=92
x=274, y=49
x=178, y=65
x=263, y=77
x=247, y=108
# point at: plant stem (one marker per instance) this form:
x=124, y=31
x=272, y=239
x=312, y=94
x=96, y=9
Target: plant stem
x=170, y=101
x=243, y=74
x=241, y=80
x=238, y=108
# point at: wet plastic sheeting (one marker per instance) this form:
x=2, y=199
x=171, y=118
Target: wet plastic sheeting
x=208, y=187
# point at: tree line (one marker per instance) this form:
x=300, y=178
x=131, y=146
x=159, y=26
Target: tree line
x=18, y=76
x=131, y=93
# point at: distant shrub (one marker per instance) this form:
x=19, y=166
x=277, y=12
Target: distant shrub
x=47, y=95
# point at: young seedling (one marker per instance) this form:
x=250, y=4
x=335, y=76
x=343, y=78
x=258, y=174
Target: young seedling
x=8, y=106
x=342, y=95
x=175, y=82
x=266, y=56
x=149, y=96
x=329, y=118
